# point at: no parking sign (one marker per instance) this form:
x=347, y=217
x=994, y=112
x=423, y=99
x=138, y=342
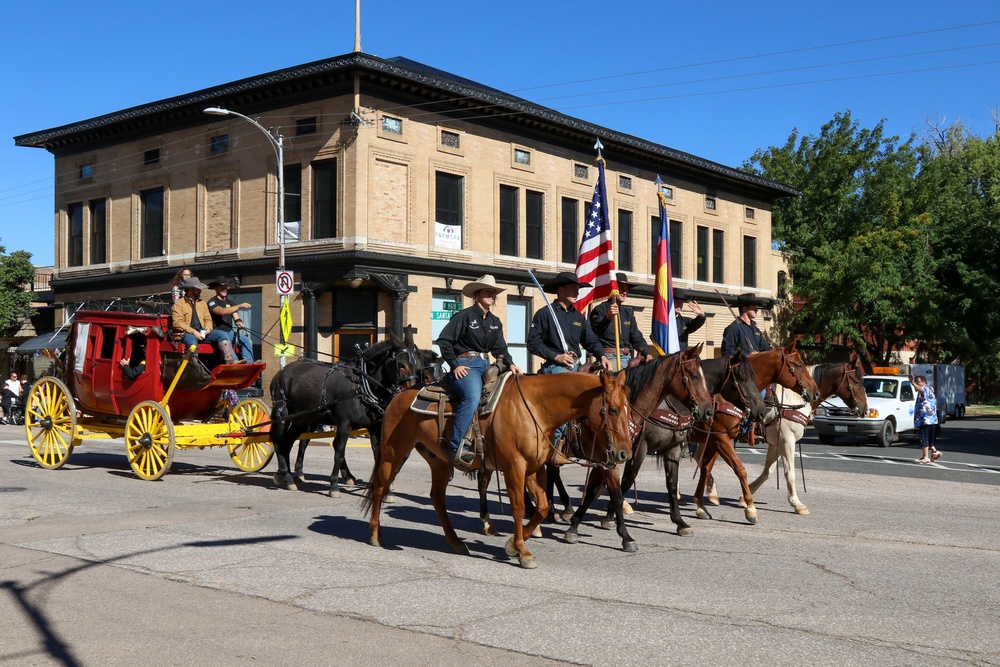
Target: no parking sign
x=284, y=281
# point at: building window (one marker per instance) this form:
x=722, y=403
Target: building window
x=718, y=246
x=508, y=220
x=220, y=144
x=570, y=230
x=624, y=182
x=534, y=219
x=782, y=284
x=749, y=261
x=305, y=126
x=98, y=231
x=522, y=156
x=750, y=213
x=392, y=125
x=624, y=240
x=675, y=245
x=324, y=200
x=292, y=176
x=668, y=192
x=87, y=170
x=151, y=204
x=74, y=252
x=581, y=171
x=518, y=323
x=702, y=254
x=710, y=203
x=451, y=139
x=151, y=157
x=449, y=208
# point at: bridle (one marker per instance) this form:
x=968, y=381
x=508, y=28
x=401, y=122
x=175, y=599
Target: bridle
x=851, y=381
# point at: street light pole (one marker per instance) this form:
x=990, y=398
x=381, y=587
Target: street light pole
x=277, y=145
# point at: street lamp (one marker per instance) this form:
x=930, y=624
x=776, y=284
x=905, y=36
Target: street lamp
x=276, y=144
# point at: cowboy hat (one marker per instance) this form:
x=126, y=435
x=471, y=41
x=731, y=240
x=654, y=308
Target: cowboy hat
x=751, y=299
x=622, y=279
x=681, y=294
x=484, y=282
x=219, y=282
x=194, y=283
x=561, y=279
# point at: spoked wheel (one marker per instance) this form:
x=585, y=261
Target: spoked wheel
x=250, y=456
x=149, y=440
x=50, y=422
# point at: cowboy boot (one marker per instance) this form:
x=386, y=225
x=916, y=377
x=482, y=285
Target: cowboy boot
x=226, y=348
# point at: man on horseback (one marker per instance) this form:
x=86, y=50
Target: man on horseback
x=630, y=338
x=743, y=332
x=466, y=343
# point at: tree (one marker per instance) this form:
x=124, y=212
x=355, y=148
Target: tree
x=15, y=302
x=857, y=246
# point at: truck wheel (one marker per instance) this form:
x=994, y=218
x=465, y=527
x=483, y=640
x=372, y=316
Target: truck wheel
x=826, y=438
x=886, y=434
x=959, y=411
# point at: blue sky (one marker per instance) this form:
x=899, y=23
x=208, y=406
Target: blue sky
x=716, y=79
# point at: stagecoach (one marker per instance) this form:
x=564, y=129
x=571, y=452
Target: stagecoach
x=175, y=402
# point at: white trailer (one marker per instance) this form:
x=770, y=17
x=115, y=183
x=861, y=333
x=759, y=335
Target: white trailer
x=948, y=381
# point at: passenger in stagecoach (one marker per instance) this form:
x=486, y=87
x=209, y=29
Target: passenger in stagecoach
x=466, y=343
x=177, y=284
x=225, y=318
x=743, y=332
x=135, y=365
x=630, y=339
x=191, y=322
x=686, y=325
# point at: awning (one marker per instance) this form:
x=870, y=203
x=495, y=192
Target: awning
x=48, y=341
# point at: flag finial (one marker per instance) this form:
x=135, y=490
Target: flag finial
x=659, y=181
x=598, y=147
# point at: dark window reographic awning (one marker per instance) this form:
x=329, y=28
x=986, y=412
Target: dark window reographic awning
x=48, y=341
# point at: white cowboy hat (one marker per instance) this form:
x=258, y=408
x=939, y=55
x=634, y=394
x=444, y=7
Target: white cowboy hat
x=484, y=282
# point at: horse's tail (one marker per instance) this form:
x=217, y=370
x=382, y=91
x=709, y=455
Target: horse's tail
x=368, y=497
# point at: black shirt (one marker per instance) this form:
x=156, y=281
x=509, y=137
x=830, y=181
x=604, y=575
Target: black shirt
x=473, y=330
x=741, y=335
x=543, y=339
x=220, y=322
x=629, y=335
x=686, y=325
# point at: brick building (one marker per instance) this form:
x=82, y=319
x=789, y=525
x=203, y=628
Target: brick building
x=402, y=182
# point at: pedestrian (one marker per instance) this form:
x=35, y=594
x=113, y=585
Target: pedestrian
x=743, y=332
x=466, y=343
x=925, y=418
x=629, y=340
x=177, y=284
x=686, y=325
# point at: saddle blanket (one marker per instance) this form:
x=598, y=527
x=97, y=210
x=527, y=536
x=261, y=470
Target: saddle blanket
x=432, y=396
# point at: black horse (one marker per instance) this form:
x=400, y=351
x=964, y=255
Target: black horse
x=347, y=396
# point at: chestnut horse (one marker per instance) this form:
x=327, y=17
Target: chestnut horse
x=732, y=380
x=783, y=366
x=518, y=437
x=844, y=380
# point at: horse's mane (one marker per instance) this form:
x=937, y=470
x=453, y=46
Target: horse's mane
x=381, y=347
x=638, y=376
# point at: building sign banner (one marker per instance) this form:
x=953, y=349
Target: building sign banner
x=293, y=231
x=447, y=236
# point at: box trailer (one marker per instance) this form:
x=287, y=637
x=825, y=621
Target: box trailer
x=948, y=381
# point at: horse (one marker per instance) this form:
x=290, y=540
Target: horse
x=730, y=379
x=680, y=376
x=345, y=395
x=518, y=438
x=844, y=380
x=783, y=366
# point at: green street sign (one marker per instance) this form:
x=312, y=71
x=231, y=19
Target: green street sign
x=452, y=305
x=441, y=315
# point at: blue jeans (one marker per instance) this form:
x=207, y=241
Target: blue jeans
x=466, y=394
x=213, y=337
x=242, y=347
x=626, y=358
x=551, y=369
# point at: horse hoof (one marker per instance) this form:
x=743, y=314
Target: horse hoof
x=375, y=542
x=285, y=483
x=460, y=549
x=509, y=548
x=629, y=547
x=528, y=562
x=350, y=482
x=626, y=508
x=334, y=493
x=801, y=509
x=608, y=524
x=702, y=513
x=714, y=500
x=559, y=518
x=751, y=516
x=570, y=537
x=686, y=531
x=389, y=498
x=537, y=532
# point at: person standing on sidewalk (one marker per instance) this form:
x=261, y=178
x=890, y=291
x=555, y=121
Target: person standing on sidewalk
x=925, y=418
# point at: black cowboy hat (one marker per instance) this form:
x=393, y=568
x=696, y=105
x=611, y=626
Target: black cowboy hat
x=622, y=279
x=562, y=279
x=221, y=281
x=681, y=294
x=751, y=299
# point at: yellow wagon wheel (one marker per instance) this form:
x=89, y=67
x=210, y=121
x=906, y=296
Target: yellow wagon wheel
x=50, y=422
x=250, y=456
x=149, y=440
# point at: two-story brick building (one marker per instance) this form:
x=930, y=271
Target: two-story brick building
x=401, y=182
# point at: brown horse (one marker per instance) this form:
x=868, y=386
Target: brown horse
x=844, y=380
x=783, y=366
x=518, y=437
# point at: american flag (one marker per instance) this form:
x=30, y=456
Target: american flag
x=596, y=262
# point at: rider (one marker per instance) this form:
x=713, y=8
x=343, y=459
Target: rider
x=543, y=337
x=629, y=337
x=743, y=332
x=465, y=343
x=686, y=325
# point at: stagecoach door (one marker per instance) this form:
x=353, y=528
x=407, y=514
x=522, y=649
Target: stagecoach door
x=106, y=352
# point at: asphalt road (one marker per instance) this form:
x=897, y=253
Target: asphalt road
x=896, y=565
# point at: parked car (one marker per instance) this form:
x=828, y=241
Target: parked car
x=890, y=412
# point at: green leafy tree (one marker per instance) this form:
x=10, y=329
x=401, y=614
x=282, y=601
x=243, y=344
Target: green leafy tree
x=858, y=250
x=15, y=303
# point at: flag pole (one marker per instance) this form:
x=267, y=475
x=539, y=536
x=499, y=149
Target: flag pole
x=614, y=293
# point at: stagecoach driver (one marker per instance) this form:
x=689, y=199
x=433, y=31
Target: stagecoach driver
x=191, y=321
x=466, y=343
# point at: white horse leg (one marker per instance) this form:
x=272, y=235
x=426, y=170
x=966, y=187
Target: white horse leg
x=770, y=461
x=790, y=438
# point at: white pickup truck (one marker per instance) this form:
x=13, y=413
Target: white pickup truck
x=890, y=412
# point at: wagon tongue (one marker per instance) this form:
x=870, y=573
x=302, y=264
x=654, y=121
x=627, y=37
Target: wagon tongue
x=263, y=429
